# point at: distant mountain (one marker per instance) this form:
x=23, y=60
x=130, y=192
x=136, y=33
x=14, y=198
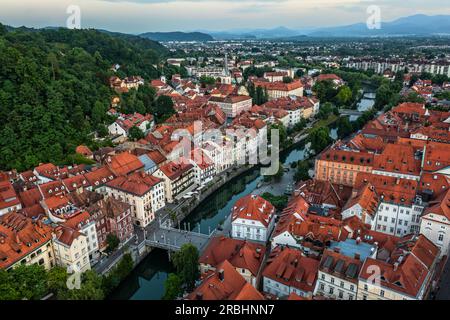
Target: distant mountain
x=417, y=25
x=177, y=36
x=279, y=32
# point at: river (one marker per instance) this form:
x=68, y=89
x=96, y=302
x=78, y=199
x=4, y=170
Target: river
x=146, y=282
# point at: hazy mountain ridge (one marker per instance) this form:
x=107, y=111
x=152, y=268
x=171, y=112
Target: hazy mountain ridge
x=177, y=36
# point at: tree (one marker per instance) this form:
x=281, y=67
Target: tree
x=31, y=281
x=186, y=264
x=279, y=202
x=325, y=110
x=205, y=80
x=163, y=108
x=344, y=96
x=90, y=288
x=57, y=281
x=113, y=242
x=173, y=287
x=135, y=133
x=344, y=127
x=287, y=79
x=302, y=172
x=319, y=138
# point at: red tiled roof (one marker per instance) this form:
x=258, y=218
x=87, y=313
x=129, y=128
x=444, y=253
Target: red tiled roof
x=408, y=267
x=124, y=163
x=440, y=206
x=8, y=196
x=289, y=267
x=99, y=176
x=391, y=189
x=83, y=150
x=367, y=198
x=173, y=170
x=397, y=158
x=240, y=253
x=138, y=183
x=19, y=236
x=231, y=287
x=253, y=207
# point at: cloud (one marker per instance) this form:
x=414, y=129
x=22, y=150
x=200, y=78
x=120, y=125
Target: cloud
x=135, y=16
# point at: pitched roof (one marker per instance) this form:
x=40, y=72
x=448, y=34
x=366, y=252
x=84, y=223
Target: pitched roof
x=138, y=183
x=289, y=267
x=253, y=207
x=240, y=253
x=367, y=198
x=19, y=236
x=225, y=284
x=407, y=268
x=173, y=170
x=124, y=163
x=397, y=158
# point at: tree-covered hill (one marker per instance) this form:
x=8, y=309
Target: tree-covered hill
x=54, y=90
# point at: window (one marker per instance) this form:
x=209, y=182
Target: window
x=382, y=293
x=342, y=284
x=366, y=287
x=441, y=237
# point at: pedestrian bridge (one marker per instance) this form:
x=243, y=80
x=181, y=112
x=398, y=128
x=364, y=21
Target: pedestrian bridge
x=349, y=112
x=169, y=238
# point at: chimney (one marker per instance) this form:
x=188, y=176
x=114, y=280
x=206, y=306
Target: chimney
x=221, y=275
x=199, y=295
x=357, y=256
x=337, y=249
x=395, y=266
x=358, y=240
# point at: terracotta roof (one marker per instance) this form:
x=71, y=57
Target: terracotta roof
x=389, y=189
x=397, y=158
x=124, y=163
x=30, y=197
x=253, y=207
x=19, y=236
x=225, y=284
x=409, y=108
x=66, y=235
x=367, y=198
x=408, y=267
x=77, y=220
x=138, y=183
x=279, y=85
x=367, y=143
x=76, y=182
x=436, y=157
x=440, y=206
x=173, y=170
x=332, y=76
x=340, y=265
x=289, y=267
x=99, y=176
x=350, y=157
x=8, y=196
x=156, y=156
x=240, y=253
x=83, y=150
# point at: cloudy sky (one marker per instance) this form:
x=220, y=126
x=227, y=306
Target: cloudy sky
x=136, y=16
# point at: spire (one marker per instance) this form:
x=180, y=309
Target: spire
x=227, y=72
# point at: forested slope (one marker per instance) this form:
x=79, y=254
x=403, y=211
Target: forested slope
x=54, y=90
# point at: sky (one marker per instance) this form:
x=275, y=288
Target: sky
x=137, y=16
